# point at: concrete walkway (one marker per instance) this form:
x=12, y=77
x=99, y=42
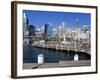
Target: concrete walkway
x=35, y=65
x=55, y=65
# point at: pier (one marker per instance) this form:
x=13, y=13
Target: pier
x=67, y=47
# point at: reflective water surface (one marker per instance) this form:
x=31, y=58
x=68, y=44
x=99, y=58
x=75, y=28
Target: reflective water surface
x=30, y=55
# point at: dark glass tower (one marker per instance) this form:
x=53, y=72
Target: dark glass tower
x=31, y=33
x=31, y=30
x=27, y=23
x=46, y=29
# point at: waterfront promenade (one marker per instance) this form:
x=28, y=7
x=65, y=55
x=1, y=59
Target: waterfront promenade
x=57, y=65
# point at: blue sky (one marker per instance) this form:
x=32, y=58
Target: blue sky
x=40, y=18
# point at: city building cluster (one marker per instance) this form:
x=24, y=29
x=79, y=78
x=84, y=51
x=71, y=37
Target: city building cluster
x=61, y=37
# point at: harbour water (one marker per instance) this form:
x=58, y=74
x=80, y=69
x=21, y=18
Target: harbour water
x=30, y=55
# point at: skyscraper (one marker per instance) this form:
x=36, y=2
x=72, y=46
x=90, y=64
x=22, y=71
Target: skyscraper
x=31, y=30
x=46, y=28
x=31, y=33
x=62, y=29
x=25, y=25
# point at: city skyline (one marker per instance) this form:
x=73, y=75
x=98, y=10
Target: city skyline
x=57, y=37
x=40, y=18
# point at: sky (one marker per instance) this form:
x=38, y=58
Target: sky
x=40, y=18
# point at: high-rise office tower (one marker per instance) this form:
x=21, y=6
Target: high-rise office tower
x=25, y=25
x=46, y=30
x=31, y=30
x=62, y=29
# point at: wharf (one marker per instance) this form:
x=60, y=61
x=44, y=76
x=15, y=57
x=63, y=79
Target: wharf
x=63, y=49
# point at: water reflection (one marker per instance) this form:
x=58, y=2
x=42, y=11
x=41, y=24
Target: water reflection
x=30, y=55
